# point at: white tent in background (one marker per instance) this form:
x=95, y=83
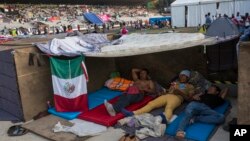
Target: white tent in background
x=193, y=11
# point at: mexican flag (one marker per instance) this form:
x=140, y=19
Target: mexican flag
x=69, y=78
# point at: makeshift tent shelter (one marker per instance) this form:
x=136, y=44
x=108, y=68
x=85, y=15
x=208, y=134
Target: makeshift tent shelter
x=222, y=27
x=223, y=56
x=33, y=81
x=192, y=12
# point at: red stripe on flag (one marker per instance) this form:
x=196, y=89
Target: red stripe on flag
x=78, y=104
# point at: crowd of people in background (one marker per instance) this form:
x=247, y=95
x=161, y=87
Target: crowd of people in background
x=54, y=19
x=241, y=21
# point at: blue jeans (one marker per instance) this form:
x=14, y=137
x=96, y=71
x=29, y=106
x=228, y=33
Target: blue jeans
x=200, y=112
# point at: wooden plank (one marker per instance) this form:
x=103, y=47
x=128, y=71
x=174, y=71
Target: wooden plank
x=35, y=86
x=244, y=84
x=44, y=126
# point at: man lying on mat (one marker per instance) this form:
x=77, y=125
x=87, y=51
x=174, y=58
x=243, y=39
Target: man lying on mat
x=201, y=109
x=179, y=91
x=142, y=85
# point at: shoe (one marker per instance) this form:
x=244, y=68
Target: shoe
x=109, y=108
x=226, y=127
x=16, y=130
x=172, y=118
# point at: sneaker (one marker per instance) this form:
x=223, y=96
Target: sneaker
x=172, y=118
x=109, y=108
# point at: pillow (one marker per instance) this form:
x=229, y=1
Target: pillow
x=118, y=83
x=199, y=82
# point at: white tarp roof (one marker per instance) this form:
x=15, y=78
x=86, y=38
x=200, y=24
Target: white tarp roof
x=138, y=44
x=127, y=45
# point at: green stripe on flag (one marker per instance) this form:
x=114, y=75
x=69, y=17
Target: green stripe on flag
x=66, y=69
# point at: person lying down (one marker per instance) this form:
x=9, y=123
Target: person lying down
x=142, y=85
x=201, y=109
x=179, y=91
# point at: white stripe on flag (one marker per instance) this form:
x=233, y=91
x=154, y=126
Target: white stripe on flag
x=69, y=88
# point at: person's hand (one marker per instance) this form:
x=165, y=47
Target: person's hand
x=174, y=85
x=196, y=97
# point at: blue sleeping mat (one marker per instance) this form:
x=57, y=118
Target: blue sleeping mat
x=197, y=131
x=95, y=99
x=65, y=115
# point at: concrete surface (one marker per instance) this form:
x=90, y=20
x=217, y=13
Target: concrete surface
x=220, y=134
x=4, y=126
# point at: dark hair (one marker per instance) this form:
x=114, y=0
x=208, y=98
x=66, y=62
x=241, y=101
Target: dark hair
x=144, y=69
x=217, y=88
x=69, y=26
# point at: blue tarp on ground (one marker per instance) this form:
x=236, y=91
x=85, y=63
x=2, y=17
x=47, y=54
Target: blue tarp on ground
x=97, y=98
x=93, y=18
x=156, y=19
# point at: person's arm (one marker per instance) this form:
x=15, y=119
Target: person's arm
x=135, y=74
x=197, y=96
x=151, y=88
x=187, y=96
x=224, y=92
